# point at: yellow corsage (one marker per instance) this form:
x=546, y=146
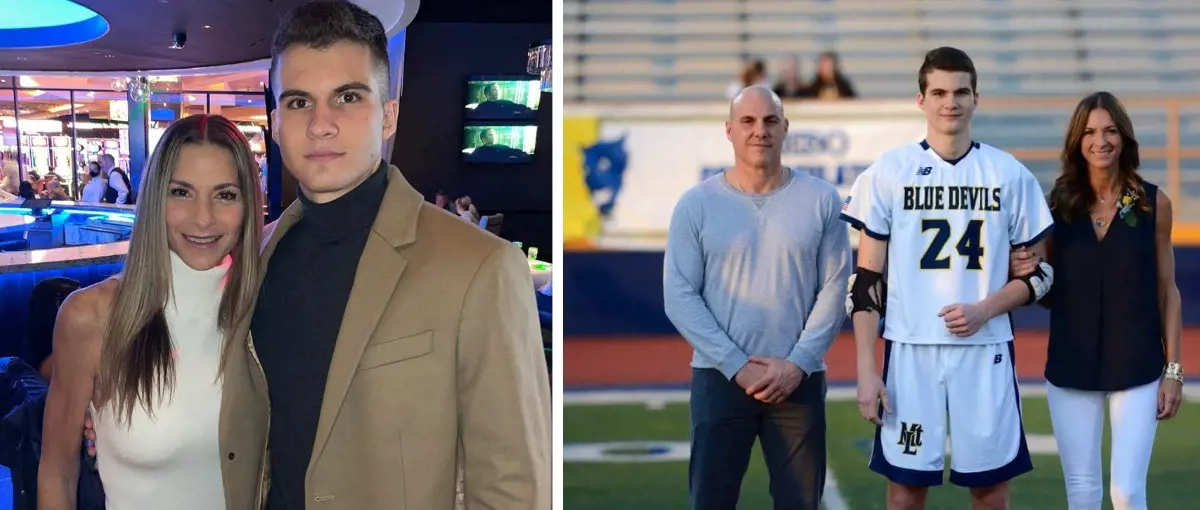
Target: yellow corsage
x=1126, y=204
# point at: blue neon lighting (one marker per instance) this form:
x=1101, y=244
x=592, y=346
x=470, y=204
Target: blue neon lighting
x=48, y=23
x=111, y=216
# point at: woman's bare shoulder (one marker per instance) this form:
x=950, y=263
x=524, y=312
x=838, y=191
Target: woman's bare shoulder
x=83, y=316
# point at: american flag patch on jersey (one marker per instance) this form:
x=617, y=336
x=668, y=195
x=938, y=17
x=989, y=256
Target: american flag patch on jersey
x=846, y=204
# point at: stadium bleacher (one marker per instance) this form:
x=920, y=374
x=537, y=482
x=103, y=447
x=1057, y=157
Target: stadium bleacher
x=674, y=51
x=622, y=50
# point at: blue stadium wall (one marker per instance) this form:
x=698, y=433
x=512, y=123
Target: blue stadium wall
x=621, y=293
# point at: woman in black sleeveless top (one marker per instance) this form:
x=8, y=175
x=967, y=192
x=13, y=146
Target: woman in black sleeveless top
x=1115, y=320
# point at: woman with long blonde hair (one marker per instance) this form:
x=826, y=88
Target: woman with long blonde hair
x=142, y=351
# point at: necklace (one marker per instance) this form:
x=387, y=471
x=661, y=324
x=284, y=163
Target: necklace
x=737, y=183
x=1100, y=220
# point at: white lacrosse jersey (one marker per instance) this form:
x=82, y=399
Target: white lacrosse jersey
x=950, y=227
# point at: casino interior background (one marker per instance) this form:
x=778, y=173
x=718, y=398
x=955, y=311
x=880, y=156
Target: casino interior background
x=646, y=90
x=82, y=78
x=58, y=124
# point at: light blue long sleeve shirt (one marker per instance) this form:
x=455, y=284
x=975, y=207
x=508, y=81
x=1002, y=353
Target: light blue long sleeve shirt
x=757, y=275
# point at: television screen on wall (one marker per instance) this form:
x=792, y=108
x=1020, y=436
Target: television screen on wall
x=501, y=98
x=495, y=143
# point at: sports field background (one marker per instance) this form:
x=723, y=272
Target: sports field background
x=621, y=391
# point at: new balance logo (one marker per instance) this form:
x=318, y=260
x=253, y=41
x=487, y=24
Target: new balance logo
x=910, y=437
x=925, y=170
x=999, y=358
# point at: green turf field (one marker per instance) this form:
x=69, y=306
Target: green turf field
x=662, y=485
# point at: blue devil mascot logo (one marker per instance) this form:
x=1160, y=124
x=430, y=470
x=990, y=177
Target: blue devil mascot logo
x=604, y=166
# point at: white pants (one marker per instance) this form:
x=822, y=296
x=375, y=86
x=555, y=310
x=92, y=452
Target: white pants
x=1078, y=420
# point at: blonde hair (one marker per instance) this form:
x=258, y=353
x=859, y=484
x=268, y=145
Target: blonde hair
x=136, y=362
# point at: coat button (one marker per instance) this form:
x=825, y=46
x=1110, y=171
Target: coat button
x=231, y=455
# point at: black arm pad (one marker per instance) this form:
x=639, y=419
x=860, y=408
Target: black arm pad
x=1039, y=282
x=868, y=292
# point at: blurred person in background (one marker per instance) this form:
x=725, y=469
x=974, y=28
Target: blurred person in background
x=760, y=337
x=37, y=182
x=26, y=190
x=120, y=190
x=442, y=201
x=466, y=210
x=96, y=185
x=755, y=73
x=830, y=82
x=790, y=85
x=44, y=302
x=1115, y=311
x=10, y=174
x=54, y=189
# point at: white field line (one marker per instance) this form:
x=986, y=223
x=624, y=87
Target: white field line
x=833, y=499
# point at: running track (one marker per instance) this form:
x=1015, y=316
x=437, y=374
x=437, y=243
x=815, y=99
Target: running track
x=664, y=360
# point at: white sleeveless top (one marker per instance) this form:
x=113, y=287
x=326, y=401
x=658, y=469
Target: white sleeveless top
x=173, y=460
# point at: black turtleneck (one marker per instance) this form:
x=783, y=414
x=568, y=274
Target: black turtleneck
x=296, y=323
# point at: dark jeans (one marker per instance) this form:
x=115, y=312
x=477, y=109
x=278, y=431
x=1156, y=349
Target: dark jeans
x=725, y=422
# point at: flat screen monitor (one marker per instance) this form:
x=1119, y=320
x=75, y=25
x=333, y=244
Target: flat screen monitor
x=36, y=203
x=502, y=98
x=490, y=143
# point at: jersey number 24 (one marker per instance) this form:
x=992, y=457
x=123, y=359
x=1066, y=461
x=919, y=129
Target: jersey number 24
x=970, y=244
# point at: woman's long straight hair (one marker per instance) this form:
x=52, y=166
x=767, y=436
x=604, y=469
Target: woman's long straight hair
x=136, y=361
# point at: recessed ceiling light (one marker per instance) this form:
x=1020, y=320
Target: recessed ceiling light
x=207, y=26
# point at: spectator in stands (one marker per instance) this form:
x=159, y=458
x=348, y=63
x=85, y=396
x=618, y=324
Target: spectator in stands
x=830, y=82
x=755, y=73
x=1115, y=311
x=760, y=310
x=143, y=351
x=790, y=85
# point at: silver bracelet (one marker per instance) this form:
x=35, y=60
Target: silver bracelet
x=1174, y=371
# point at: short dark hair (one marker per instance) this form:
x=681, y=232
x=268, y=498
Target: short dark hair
x=323, y=23
x=946, y=59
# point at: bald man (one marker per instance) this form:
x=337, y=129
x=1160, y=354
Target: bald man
x=756, y=271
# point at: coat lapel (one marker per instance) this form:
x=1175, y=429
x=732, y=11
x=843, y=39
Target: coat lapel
x=375, y=281
x=275, y=231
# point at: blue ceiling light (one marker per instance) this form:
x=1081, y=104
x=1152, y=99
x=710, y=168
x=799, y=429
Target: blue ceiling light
x=47, y=24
